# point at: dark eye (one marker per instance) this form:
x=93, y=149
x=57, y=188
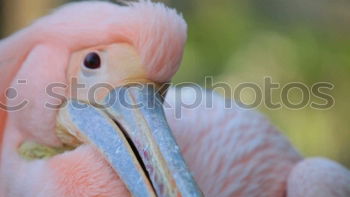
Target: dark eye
x=92, y=61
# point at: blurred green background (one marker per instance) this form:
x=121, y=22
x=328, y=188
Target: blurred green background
x=245, y=40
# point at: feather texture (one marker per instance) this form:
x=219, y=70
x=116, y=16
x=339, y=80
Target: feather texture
x=232, y=152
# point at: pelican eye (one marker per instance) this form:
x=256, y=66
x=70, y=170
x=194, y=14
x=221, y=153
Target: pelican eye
x=92, y=60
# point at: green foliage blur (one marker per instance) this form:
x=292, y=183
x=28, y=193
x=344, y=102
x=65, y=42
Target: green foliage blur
x=306, y=41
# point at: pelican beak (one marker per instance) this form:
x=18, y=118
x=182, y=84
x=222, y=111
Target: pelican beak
x=132, y=133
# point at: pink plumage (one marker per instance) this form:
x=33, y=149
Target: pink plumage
x=231, y=152
x=236, y=152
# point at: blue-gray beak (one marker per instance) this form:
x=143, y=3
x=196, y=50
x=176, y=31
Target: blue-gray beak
x=131, y=131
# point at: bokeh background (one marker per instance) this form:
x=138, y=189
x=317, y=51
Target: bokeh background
x=239, y=41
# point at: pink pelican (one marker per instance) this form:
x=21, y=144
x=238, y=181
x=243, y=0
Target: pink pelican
x=72, y=147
